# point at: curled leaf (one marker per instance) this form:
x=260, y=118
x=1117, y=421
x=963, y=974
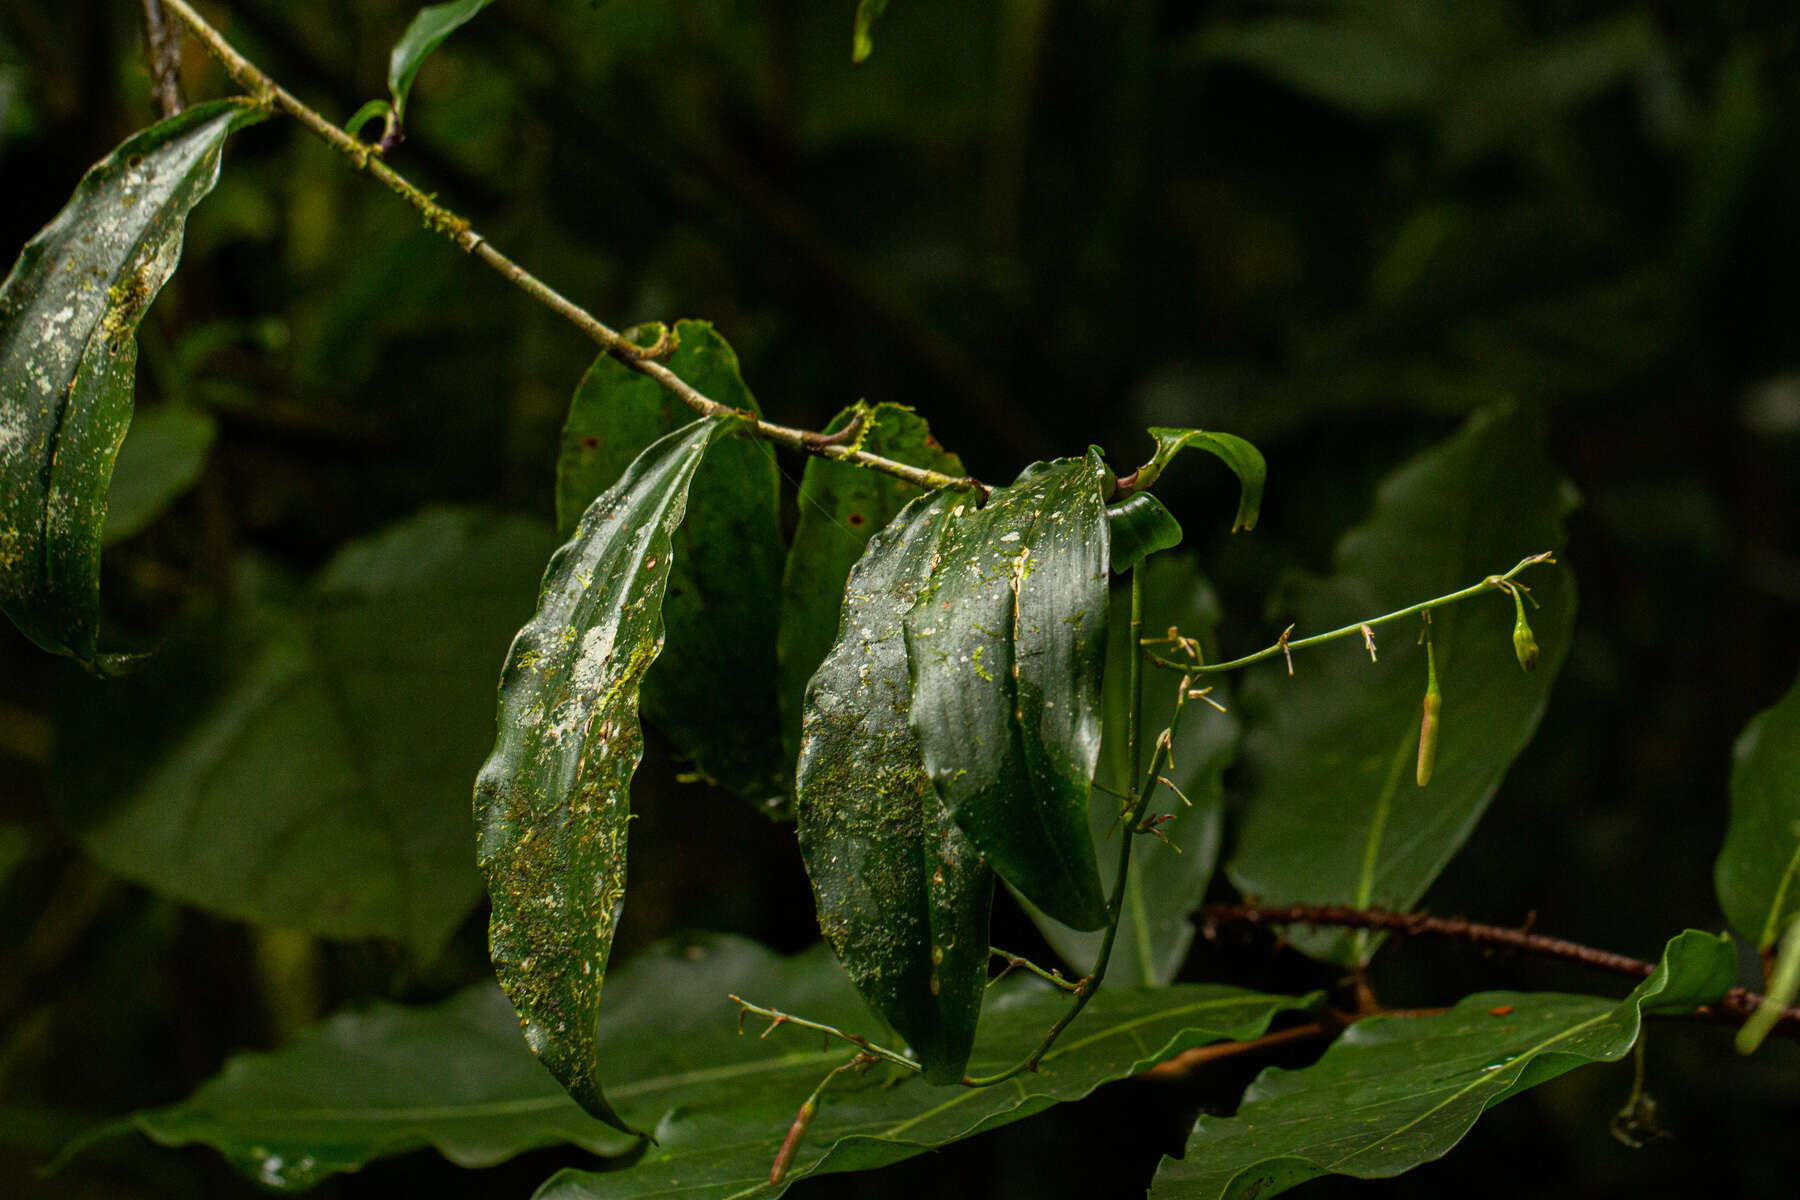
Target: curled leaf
x=1245, y=461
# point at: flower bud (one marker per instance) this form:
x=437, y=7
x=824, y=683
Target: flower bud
x=1525, y=647
x=1434, y=704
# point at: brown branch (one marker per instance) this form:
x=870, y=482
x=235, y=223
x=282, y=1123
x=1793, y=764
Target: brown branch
x=270, y=95
x=165, y=59
x=1733, y=1008
x=1185, y=1064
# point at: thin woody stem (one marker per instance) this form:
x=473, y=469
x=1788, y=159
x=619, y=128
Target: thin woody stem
x=271, y=95
x=1364, y=629
x=1734, y=1007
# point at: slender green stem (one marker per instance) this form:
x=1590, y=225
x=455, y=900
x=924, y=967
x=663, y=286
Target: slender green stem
x=1358, y=628
x=1016, y=960
x=272, y=96
x=777, y=1018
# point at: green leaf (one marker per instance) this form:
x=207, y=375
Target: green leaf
x=1245, y=461
x=1155, y=926
x=713, y=691
x=841, y=508
x=69, y=313
x=725, y=1102
x=1344, y=823
x=903, y=896
x=1141, y=527
x=1006, y=654
x=862, y=43
x=362, y=1086
x=1398, y=1091
x=553, y=800
x=1758, y=872
x=307, y=766
x=161, y=459
x=426, y=33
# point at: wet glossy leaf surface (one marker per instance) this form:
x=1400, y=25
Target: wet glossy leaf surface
x=1758, y=872
x=69, y=313
x=841, y=508
x=1006, y=654
x=552, y=802
x=362, y=1086
x=325, y=747
x=1140, y=526
x=903, y=897
x=720, y=1104
x=713, y=692
x=1344, y=822
x=1155, y=926
x=1394, y=1092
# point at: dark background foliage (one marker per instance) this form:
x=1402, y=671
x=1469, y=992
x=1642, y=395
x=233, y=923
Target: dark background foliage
x=1331, y=227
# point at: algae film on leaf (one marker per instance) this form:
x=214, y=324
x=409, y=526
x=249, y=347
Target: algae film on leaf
x=552, y=802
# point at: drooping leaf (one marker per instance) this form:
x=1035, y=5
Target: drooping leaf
x=1245, y=461
x=725, y=1103
x=324, y=748
x=423, y=36
x=1344, y=823
x=1006, y=653
x=1395, y=1092
x=841, y=508
x=553, y=800
x=69, y=313
x=362, y=1086
x=1141, y=527
x=161, y=459
x=713, y=691
x=1758, y=871
x=903, y=896
x=1155, y=925
x=862, y=42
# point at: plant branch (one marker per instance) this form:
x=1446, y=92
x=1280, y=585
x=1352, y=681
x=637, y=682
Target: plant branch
x=1185, y=1064
x=1285, y=645
x=777, y=1018
x=272, y=96
x=165, y=59
x=1734, y=1007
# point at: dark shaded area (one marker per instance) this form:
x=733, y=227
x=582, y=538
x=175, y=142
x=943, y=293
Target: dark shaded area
x=1333, y=228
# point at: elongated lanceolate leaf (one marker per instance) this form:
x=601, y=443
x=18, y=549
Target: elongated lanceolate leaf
x=1344, y=822
x=1006, y=653
x=1155, y=924
x=69, y=313
x=161, y=459
x=713, y=691
x=553, y=801
x=1245, y=461
x=456, y=1077
x=841, y=508
x=1758, y=872
x=1395, y=1092
x=903, y=896
x=427, y=32
x=725, y=1103
x=325, y=746
x=363, y=1086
